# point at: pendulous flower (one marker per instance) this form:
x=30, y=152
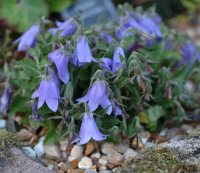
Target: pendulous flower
x=48, y=91
x=107, y=37
x=97, y=95
x=28, y=39
x=82, y=53
x=189, y=53
x=5, y=99
x=60, y=59
x=117, y=63
x=89, y=130
x=66, y=28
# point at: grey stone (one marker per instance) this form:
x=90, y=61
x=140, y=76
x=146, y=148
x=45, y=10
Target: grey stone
x=18, y=162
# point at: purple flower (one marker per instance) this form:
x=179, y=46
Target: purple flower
x=66, y=28
x=117, y=63
x=107, y=37
x=28, y=39
x=106, y=64
x=61, y=61
x=35, y=116
x=48, y=91
x=89, y=130
x=82, y=53
x=189, y=53
x=5, y=99
x=97, y=95
x=116, y=110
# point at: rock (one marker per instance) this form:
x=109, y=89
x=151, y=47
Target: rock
x=74, y=163
x=85, y=163
x=50, y=167
x=106, y=171
x=130, y=153
x=122, y=147
x=77, y=151
x=90, y=147
x=64, y=155
x=20, y=163
x=71, y=159
x=90, y=171
x=24, y=135
x=172, y=133
x=186, y=127
x=2, y=124
x=144, y=136
x=102, y=168
x=95, y=156
x=103, y=161
x=136, y=143
x=107, y=147
x=163, y=132
x=75, y=171
x=29, y=152
x=110, y=166
x=63, y=145
x=39, y=149
x=52, y=152
x=64, y=166
x=115, y=158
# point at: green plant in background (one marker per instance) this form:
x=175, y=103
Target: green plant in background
x=104, y=82
x=24, y=13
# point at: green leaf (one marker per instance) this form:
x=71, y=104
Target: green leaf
x=69, y=90
x=59, y=5
x=109, y=122
x=133, y=126
x=23, y=13
x=154, y=113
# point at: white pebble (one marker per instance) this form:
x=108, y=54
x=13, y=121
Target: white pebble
x=29, y=152
x=2, y=124
x=85, y=163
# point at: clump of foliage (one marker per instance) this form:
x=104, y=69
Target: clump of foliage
x=109, y=80
x=8, y=140
x=160, y=160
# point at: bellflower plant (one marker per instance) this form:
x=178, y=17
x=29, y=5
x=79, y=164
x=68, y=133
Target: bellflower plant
x=89, y=130
x=93, y=73
x=48, y=91
x=60, y=59
x=28, y=39
x=5, y=99
x=97, y=95
x=82, y=53
x=66, y=28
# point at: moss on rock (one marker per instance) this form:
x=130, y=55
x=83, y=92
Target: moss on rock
x=159, y=160
x=7, y=140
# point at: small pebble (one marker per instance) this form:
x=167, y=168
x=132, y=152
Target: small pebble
x=39, y=149
x=103, y=162
x=24, y=135
x=107, y=147
x=29, y=152
x=85, y=163
x=2, y=124
x=50, y=167
x=90, y=171
x=130, y=153
x=95, y=156
x=102, y=168
x=77, y=151
x=52, y=152
x=115, y=158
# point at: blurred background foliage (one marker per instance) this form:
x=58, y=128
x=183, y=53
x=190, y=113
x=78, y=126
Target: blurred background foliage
x=23, y=13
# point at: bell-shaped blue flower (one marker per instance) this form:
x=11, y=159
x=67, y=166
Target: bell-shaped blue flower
x=89, y=130
x=66, y=28
x=117, y=59
x=107, y=37
x=82, y=53
x=60, y=59
x=5, y=99
x=97, y=95
x=48, y=91
x=28, y=39
x=189, y=53
x=106, y=64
